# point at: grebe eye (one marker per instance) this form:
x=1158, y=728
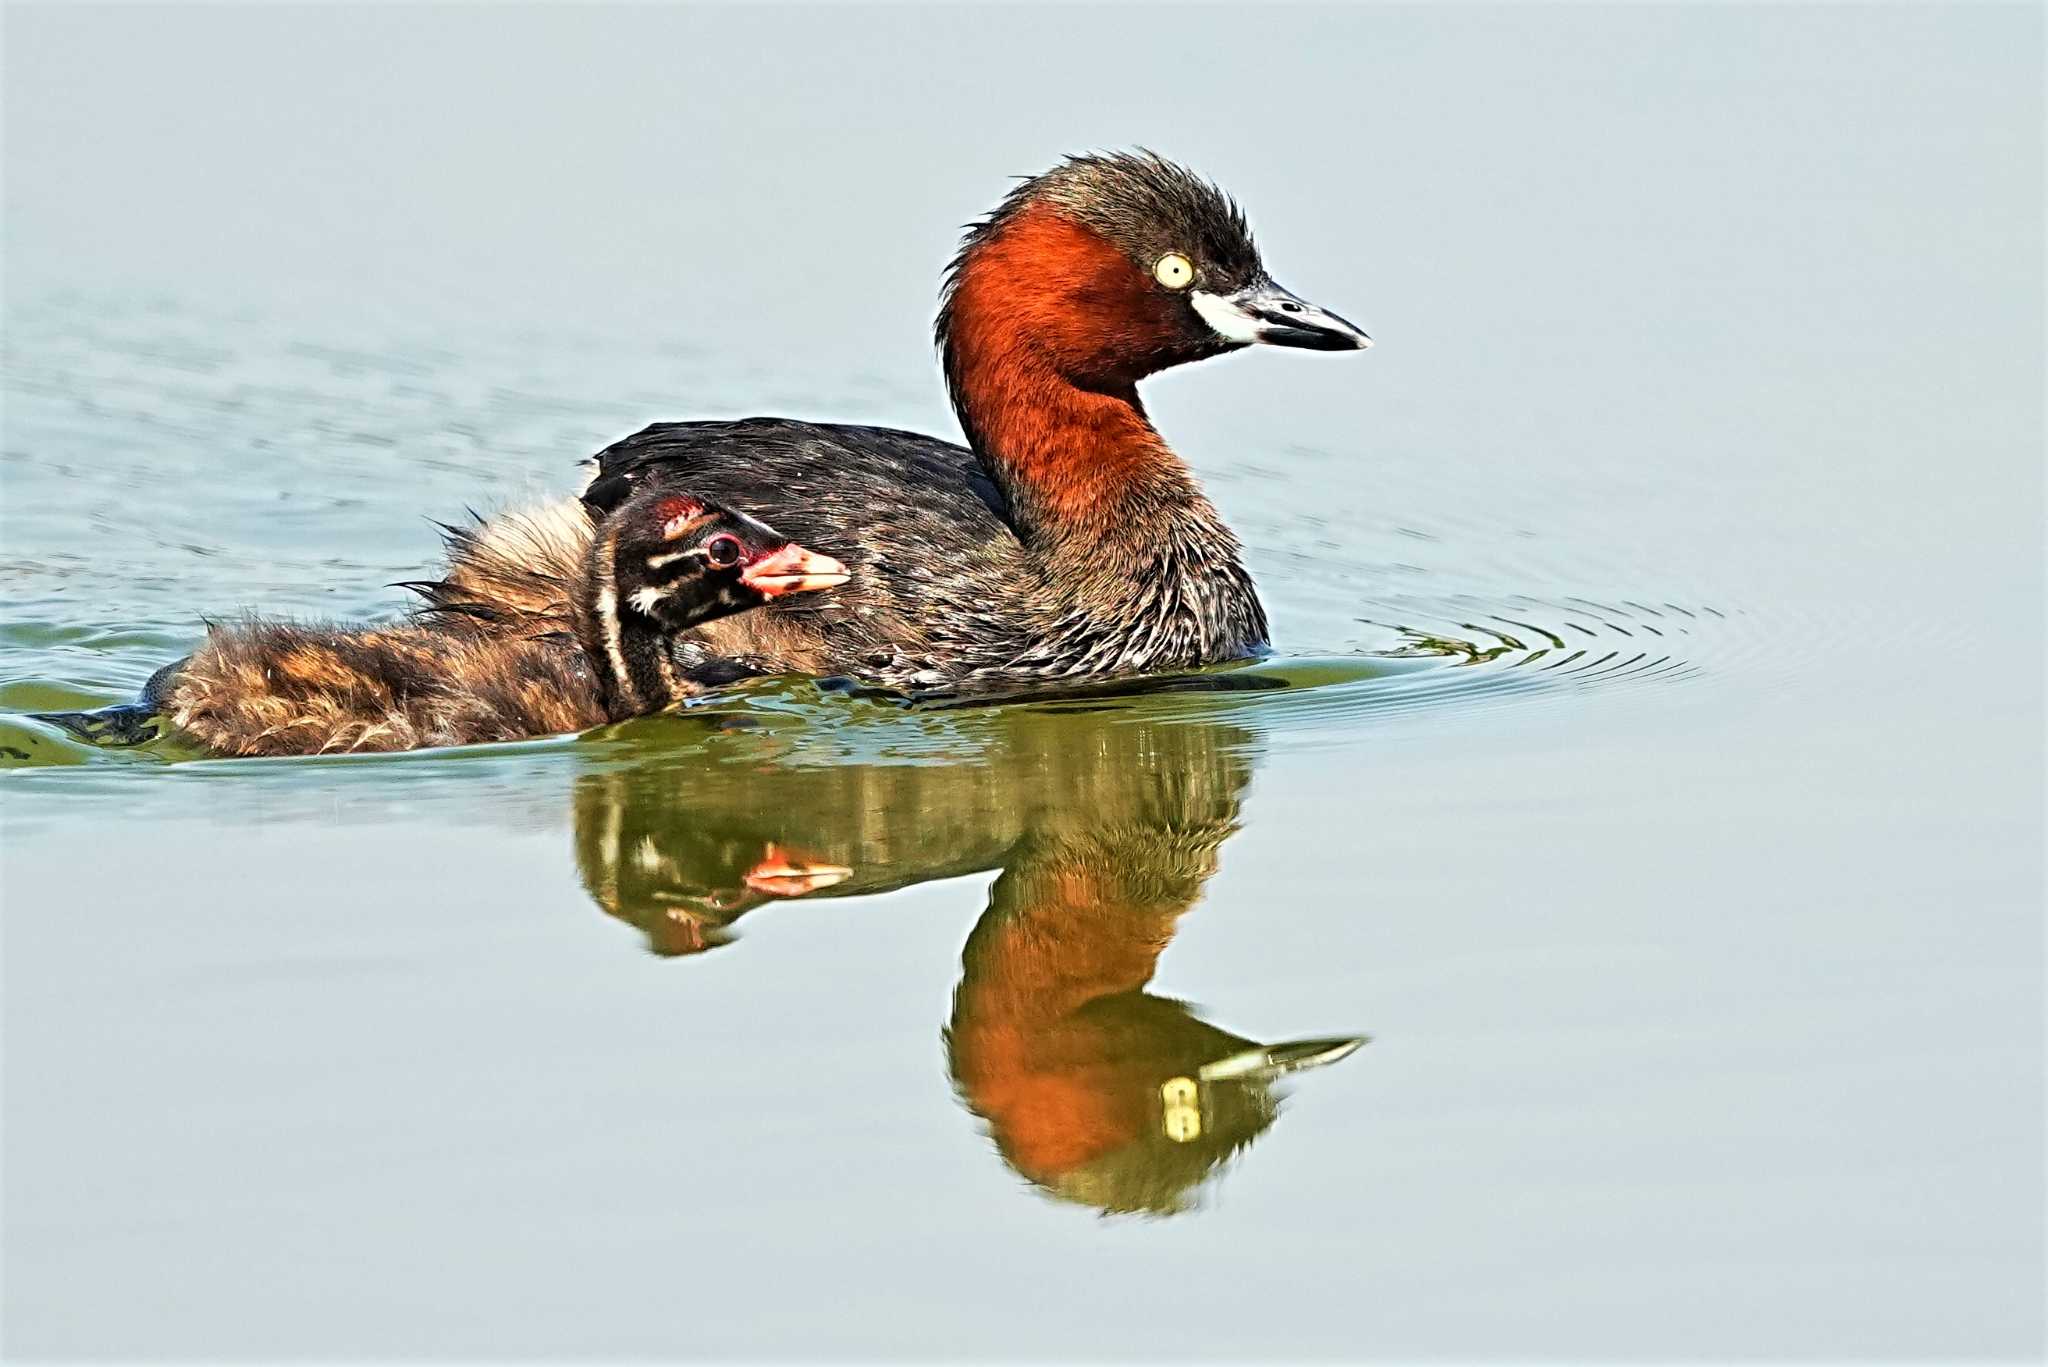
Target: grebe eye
x=723, y=551
x=1174, y=271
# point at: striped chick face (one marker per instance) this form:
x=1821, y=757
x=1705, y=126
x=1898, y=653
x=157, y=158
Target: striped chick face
x=683, y=560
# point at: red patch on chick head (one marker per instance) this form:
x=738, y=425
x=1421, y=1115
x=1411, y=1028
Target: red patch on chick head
x=677, y=512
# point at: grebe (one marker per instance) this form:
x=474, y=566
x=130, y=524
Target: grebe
x=662, y=562
x=1102, y=829
x=1066, y=539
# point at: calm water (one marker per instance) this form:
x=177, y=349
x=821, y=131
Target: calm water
x=1651, y=767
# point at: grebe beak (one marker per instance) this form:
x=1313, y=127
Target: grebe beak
x=1266, y=1062
x=782, y=873
x=793, y=570
x=1264, y=312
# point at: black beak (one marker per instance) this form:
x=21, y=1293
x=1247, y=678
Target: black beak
x=1268, y=1061
x=1264, y=312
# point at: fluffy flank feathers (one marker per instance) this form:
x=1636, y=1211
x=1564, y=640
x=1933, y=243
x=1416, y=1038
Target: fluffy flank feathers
x=277, y=688
x=514, y=569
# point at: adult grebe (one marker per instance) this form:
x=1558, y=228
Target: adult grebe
x=1066, y=538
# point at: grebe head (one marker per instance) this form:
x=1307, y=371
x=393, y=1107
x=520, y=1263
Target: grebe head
x=1110, y=267
x=680, y=560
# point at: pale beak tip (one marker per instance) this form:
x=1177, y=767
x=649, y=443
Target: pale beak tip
x=793, y=569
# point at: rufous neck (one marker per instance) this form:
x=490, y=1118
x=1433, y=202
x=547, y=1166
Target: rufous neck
x=1072, y=461
x=1044, y=343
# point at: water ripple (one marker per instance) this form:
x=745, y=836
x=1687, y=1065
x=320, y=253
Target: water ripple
x=1404, y=599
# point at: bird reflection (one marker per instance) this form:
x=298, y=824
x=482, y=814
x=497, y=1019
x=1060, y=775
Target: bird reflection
x=1105, y=823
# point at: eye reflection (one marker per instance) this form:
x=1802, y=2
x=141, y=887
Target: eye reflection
x=1105, y=831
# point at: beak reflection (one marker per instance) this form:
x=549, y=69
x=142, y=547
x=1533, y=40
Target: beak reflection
x=1092, y=1087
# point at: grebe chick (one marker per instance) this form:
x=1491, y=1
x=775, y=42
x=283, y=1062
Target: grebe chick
x=666, y=562
x=661, y=563
x=1066, y=538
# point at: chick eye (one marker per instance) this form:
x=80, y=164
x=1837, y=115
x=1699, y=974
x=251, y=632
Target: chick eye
x=1174, y=271
x=723, y=551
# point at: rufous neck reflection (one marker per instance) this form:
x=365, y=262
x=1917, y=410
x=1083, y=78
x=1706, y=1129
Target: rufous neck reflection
x=1106, y=829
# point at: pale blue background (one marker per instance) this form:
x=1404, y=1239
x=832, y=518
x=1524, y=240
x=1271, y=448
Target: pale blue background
x=1707, y=1017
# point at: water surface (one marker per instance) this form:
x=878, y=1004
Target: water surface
x=1649, y=768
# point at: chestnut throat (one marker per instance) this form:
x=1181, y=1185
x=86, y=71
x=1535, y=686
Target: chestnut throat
x=1122, y=533
x=1046, y=329
x=1076, y=463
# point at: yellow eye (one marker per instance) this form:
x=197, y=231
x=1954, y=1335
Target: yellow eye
x=1174, y=271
